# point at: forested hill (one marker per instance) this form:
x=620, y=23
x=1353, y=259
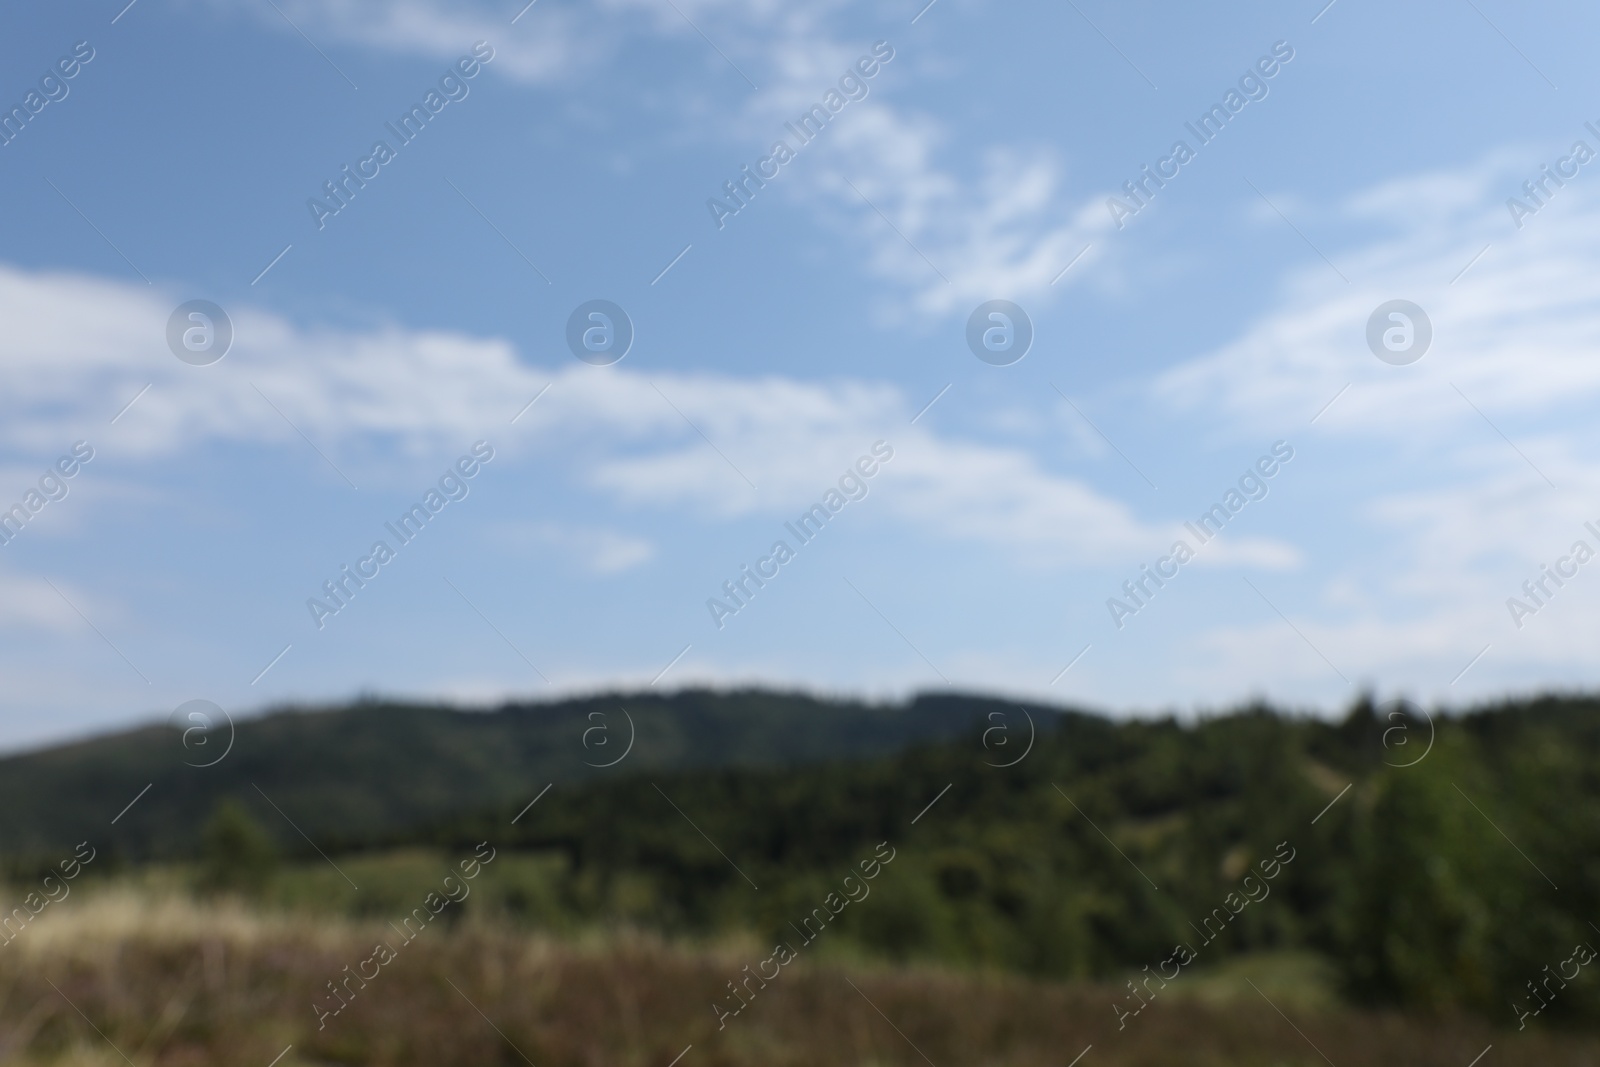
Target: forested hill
x=1433, y=862
x=1431, y=865
x=374, y=769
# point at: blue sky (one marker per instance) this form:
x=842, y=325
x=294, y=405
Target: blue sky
x=1170, y=352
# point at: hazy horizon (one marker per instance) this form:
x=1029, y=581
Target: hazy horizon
x=156, y=717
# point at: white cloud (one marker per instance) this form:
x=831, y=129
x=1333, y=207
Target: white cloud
x=1001, y=229
x=1451, y=515
x=370, y=399
x=547, y=43
x=1515, y=334
x=597, y=549
x=28, y=602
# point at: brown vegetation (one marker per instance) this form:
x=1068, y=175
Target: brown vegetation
x=175, y=982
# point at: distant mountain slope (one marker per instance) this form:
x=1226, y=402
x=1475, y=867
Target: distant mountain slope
x=375, y=769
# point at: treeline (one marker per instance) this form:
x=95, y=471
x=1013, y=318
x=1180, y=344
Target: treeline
x=374, y=769
x=1451, y=864
x=1462, y=860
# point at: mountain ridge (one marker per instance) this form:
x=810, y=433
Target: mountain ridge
x=377, y=767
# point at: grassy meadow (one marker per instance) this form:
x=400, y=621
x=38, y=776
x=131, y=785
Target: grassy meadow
x=137, y=969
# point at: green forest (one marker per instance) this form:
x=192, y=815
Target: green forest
x=1433, y=862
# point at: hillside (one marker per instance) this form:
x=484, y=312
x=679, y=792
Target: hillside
x=371, y=770
x=1434, y=866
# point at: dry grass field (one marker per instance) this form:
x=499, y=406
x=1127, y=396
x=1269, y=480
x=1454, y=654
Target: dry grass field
x=122, y=976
